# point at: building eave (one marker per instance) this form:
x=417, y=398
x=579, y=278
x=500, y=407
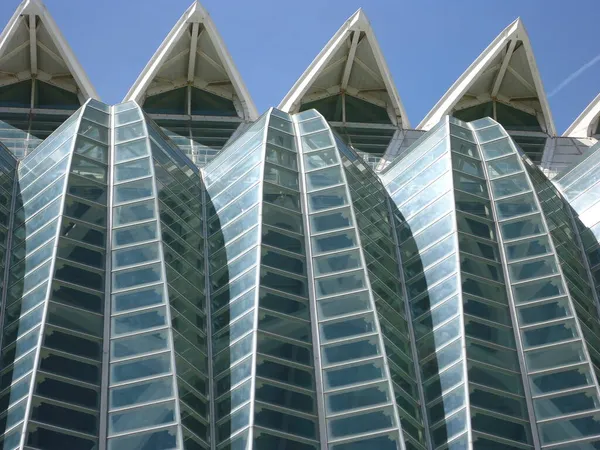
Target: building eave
x=585, y=123
x=194, y=14
x=357, y=22
x=515, y=31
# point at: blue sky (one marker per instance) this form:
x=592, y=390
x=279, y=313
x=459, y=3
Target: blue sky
x=426, y=43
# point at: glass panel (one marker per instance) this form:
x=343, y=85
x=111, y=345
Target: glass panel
x=141, y=392
x=355, y=350
x=134, y=169
x=555, y=356
x=280, y=176
x=341, y=283
x=331, y=220
x=132, y=277
x=141, y=418
x=131, y=131
x=316, y=141
x=154, y=440
x=320, y=159
x=566, y=404
x=133, y=191
x=136, y=255
x=334, y=241
x=550, y=334
x=516, y=206
x=133, y=213
x=337, y=262
x=346, y=328
x=525, y=249
x=504, y=166
x=510, y=185
x=137, y=299
x=533, y=269
x=324, y=178
x=327, y=198
x=554, y=309
x=362, y=423
x=569, y=429
x=523, y=227
x=137, y=233
x=144, y=367
x=138, y=321
x=345, y=304
x=135, y=345
x=561, y=380
x=537, y=290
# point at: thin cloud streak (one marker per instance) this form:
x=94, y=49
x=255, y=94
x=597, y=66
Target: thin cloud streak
x=574, y=75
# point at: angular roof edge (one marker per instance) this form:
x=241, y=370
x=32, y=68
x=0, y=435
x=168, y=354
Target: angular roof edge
x=195, y=13
x=452, y=96
x=583, y=126
x=38, y=8
x=358, y=21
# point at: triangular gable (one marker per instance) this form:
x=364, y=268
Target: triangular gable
x=193, y=54
x=505, y=73
x=351, y=63
x=32, y=47
x=588, y=122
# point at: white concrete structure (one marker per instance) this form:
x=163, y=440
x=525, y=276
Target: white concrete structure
x=32, y=47
x=588, y=122
x=505, y=73
x=193, y=54
x=352, y=64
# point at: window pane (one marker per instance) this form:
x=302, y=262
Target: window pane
x=134, y=213
x=144, y=367
x=132, y=191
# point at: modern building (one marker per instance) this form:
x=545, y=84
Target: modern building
x=180, y=273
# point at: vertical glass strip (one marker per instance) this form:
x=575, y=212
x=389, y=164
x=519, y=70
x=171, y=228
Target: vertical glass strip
x=358, y=396
x=552, y=339
x=144, y=396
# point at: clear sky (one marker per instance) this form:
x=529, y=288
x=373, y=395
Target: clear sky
x=427, y=43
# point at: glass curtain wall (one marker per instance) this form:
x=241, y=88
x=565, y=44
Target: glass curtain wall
x=159, y=356
x=455, y=283
x=179, y=193
x=232, y=227
x=142, y=388
x=287, y=297
x=360, y=410
x=52, y=340
x=379, y=243
x=580, y=187
x=545, y=291
x=264, y=380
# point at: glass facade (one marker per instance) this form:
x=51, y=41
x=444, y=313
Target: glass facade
x=179, y=273
x=287, y=297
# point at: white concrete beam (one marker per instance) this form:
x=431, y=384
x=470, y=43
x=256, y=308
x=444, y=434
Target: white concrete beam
x=503, y=67
x=33, y=45
x=350, y=60
x=193, y=46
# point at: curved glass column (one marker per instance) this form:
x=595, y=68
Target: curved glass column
x=456, y=286
x=366, y=359
x=286, y=296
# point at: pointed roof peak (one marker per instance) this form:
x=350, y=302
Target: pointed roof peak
x=518, y=22
x=350, y=63
x=193, y=54
x=505, y=73
x=358, y=19
x=32, y=46
x=196, y=12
